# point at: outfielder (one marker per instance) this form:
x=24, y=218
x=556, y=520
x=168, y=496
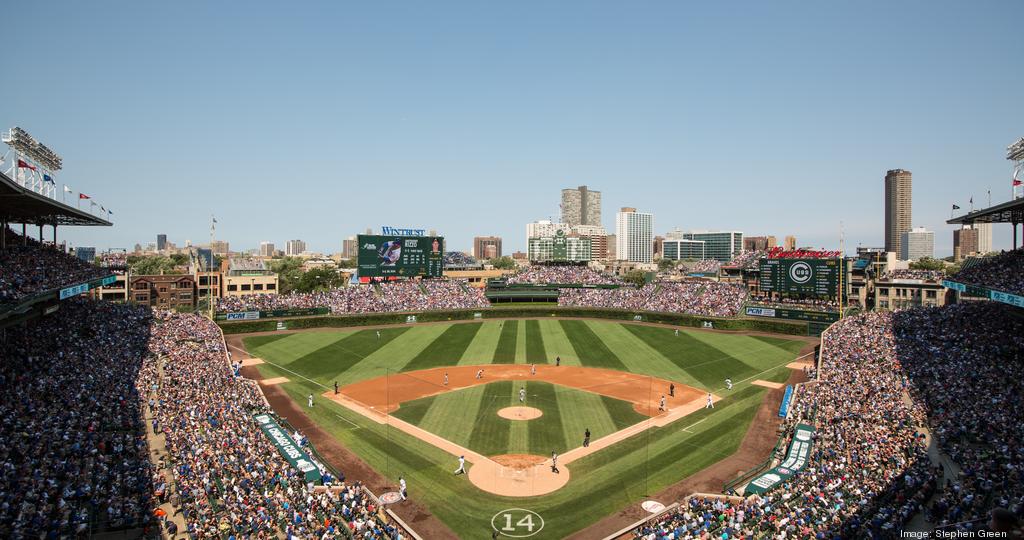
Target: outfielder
x=728, y=384
x=462, y=465
x=310, y=400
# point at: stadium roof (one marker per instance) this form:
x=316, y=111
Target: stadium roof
x=21, y=205
x=1007, y=212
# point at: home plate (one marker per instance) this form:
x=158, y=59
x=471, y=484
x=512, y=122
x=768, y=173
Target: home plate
x=652, y=506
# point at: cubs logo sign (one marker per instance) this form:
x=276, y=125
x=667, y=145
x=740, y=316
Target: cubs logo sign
x=800, y=272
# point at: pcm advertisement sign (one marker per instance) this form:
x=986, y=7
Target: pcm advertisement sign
x=400, y=256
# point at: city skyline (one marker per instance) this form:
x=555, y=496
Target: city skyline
x=636, y=104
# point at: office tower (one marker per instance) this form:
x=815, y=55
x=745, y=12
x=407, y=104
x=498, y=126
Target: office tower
x=897, y=208
x=916, y=244
x=481, y=245
x=634, y=235
x=581, y=206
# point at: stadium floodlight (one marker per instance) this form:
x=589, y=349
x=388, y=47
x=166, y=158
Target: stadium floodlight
x=29, y=147
x=1015, y=152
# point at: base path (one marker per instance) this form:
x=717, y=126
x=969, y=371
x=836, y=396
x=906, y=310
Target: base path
x=519, y=475
x=385, y=394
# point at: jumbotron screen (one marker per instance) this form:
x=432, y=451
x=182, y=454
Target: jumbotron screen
x=817, y=277
x=400, y=256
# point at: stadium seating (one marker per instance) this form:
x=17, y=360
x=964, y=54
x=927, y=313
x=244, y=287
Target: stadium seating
x=1003, y=272
x=385, y=297
x=705, y=298
x=32, y=269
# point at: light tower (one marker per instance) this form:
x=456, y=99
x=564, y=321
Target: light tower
x=1015, y=153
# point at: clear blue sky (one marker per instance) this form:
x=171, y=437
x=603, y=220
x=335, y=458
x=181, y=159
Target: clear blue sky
x=316, y=121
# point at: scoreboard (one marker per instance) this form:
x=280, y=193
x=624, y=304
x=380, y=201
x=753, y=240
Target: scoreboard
x=400, y=256
x=812, y=277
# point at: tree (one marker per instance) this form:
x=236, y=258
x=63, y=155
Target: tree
x=289, y=272
x=666, y=264
x=928, y=263
x=503, y=263
x=154, y=265
x=319, y=279
x=635, y=277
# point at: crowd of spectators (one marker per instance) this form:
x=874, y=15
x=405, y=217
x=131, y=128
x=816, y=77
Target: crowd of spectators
x=391, y=296
x=705, y=266
x=113, y=259
x=883, y=379
x=33, y=268
x=561, y=275
x=747, y=259
x=1003, y=272
x=907, y=273
x=230, y=479
x=459, y=259
x=74, y=458
x=707, y=298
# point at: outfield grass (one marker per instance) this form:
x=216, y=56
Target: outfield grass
x=601, y=483
x=566, y=414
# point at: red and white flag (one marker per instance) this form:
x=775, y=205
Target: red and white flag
x=83, y=196
x=22, y=164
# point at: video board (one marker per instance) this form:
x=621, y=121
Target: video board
x=400, y=256
x=812, y=277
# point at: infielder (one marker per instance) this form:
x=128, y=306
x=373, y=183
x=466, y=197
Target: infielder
x=480, y=374
x=522, y=395
x=711, y=402
x=554, y=462
x=728, y=384
x=462, y=465
x=661, y=406
x=533, y=369
x=446, y=378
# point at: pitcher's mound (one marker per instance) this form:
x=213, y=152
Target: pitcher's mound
x=518, y=461
x=520, y=413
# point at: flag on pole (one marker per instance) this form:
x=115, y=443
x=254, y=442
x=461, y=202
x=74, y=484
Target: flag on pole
x=83, y=196
x=1016, y=181
x=22, y=164
x=110, y=212
x=955, y=207
x=67, y=189
x=102, y=209
x=48, y=178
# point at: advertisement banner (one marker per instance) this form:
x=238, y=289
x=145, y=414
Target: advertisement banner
x=760, y=312
x=74, y=291
x=796, y=459
x=244, y=316
x=287, y=447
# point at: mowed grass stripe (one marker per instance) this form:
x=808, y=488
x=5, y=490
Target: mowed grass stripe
x=395, y=354
x=750, y=350
x=520, y=356
x=447, y=349
x=490, y=435
x=557, y=344
x=621, y=412
x=547, y=435
x=591, y=351
x=447, y=413
x=582, y=410
x=414, y=411
x=636, y=354
x=703, y=362
x=519, y=430
x=505, y=352
x=481, y=349
x=333, y=358
x=535, y=353
x=291, y=347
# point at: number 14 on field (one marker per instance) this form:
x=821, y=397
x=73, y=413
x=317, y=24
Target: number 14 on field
x=517, y=522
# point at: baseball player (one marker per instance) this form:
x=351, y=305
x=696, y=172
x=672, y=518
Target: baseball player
x=672, y=389
x=462, y=465
x=522, y=395
x=661, y=405
x=480, y=374
x=378, y=334
x=711, y=402
x=554, y=462
x=335, y=387
x=401, y=488
x=586, y=438
x=728, y=384
x=533, y=369
x=310, y=401
x=558, y=361
x=677, y=332
x=446, y=378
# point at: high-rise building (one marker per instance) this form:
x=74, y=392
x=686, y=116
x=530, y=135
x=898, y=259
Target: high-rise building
x=266, y=249
x=581, y=206
x=984, y=236
x=678, y=249
x=598, y=239
x=719, y=245
x=634, y=235
x=161, y=242
x=758, y=243
x=294, y=247
x=898, y=187
x=772, y=242
x=481, y=245
x=220, y=247
x=657, y=249
x=916, y=244
x=349, y=247
x=965, y=242
x=610, y=246
x=789, y=243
